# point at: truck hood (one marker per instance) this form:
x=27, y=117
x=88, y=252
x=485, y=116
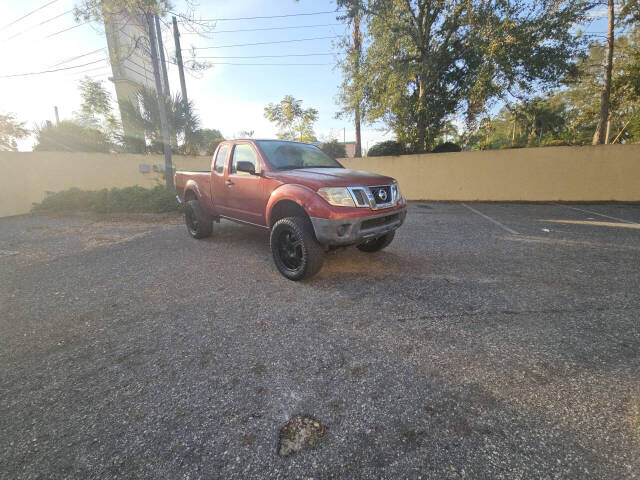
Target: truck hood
x=316, y=178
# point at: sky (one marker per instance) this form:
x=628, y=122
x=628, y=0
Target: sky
x=230, y=98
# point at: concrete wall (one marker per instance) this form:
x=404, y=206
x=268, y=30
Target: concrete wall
x=602, y=173
x=26, y=177
x=538, y=174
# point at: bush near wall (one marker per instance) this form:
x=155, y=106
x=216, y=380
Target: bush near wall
x=388, y=148
x=114, y=200
x=447, y=147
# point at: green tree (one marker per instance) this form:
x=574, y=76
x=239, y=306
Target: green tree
x=429, y=59
x=96, y=110
x=11, y=130
x=97, y=10
x=584, y=93
x=68, y=136
x=207, y=140
x=294, y=122
x=352, y=94
x=334, y=149
x=144, y=118
x=628, y=13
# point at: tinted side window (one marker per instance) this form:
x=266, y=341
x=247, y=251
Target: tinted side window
x=221, y=157
x=243, y=153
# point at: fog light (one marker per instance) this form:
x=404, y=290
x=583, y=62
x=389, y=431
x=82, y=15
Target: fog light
x=342, y=229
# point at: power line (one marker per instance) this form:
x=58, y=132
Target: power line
x=269, y=28
x=263, y=43
x=39, y=24
x=101, y=67
x=79, y=56
x=51, y=71
x=253, y=18
x=28, y=14
x=275, y=56
x=269, y=64
x=67, y=29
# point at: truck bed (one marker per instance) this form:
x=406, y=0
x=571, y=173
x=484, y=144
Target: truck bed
x=202, y=180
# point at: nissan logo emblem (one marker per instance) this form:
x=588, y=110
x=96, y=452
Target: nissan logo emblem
x=382, y=193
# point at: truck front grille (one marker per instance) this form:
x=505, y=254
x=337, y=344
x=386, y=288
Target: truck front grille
x=360, y=197
x=381, y=194
x=377, y=197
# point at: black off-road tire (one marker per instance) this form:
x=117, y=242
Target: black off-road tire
x=198, y=224
x=296, y=252
x=377, y=244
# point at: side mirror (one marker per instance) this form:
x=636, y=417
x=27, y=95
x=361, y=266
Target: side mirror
x=247, y=167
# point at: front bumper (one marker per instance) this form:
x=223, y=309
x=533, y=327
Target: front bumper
x=350, y=231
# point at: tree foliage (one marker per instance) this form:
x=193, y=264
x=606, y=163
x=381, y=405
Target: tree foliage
x=87, y=10
x=294, y=122
x=206, y=140
x=96, y=109
x=143, y=117
x=334, y=149
x=430, y=59
x=11, y=130
x=569, y=116
x=68, y=136
x=388, y=148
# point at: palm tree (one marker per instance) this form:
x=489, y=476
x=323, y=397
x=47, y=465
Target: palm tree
x=143, y=118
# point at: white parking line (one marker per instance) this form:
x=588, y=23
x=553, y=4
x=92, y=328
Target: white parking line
x=511, y=231
x=596, y=213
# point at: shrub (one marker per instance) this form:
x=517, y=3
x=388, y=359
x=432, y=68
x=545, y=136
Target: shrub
x=390, y=147
x=555, y=143
x=334, y=149
x=447, y=147
x=116, y=200
x=68, y=136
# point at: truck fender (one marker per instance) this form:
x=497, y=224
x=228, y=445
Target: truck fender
x=306, y=198
x=192, y=185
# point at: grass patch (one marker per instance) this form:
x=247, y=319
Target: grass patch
x=115, y=200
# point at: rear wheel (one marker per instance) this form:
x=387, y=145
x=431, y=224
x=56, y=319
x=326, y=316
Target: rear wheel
x=296, y=252
x=377, y=244
x=198, y=224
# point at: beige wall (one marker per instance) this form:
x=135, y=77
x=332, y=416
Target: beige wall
x=26, y=177
x=537, y=174
x=600, y=173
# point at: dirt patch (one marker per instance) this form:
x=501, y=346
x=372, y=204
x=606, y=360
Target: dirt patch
x=298, y=433
x=461, y=428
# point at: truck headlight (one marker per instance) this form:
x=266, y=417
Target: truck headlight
x=398, y=195
x=338, y=196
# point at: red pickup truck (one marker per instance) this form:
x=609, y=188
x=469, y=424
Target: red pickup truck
x=308, y=201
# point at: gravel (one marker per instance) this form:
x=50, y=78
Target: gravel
x=130, y=350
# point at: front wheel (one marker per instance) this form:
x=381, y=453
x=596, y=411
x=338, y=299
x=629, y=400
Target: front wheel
x=198, y=225
x=296, y=252
x=377, y=244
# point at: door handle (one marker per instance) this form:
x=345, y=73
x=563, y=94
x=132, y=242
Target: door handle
x=229, y=182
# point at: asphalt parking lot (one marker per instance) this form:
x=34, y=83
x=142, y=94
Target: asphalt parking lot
x=488, y=341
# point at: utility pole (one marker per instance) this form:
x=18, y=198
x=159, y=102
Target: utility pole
x=55, y=109
x=183, y=84
x=357, y=50
x=165, y=78
x=176, y=38
x=163, y=63
x=164, y=126
x=602, y=136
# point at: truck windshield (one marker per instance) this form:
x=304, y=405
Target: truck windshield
x=291, y=155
